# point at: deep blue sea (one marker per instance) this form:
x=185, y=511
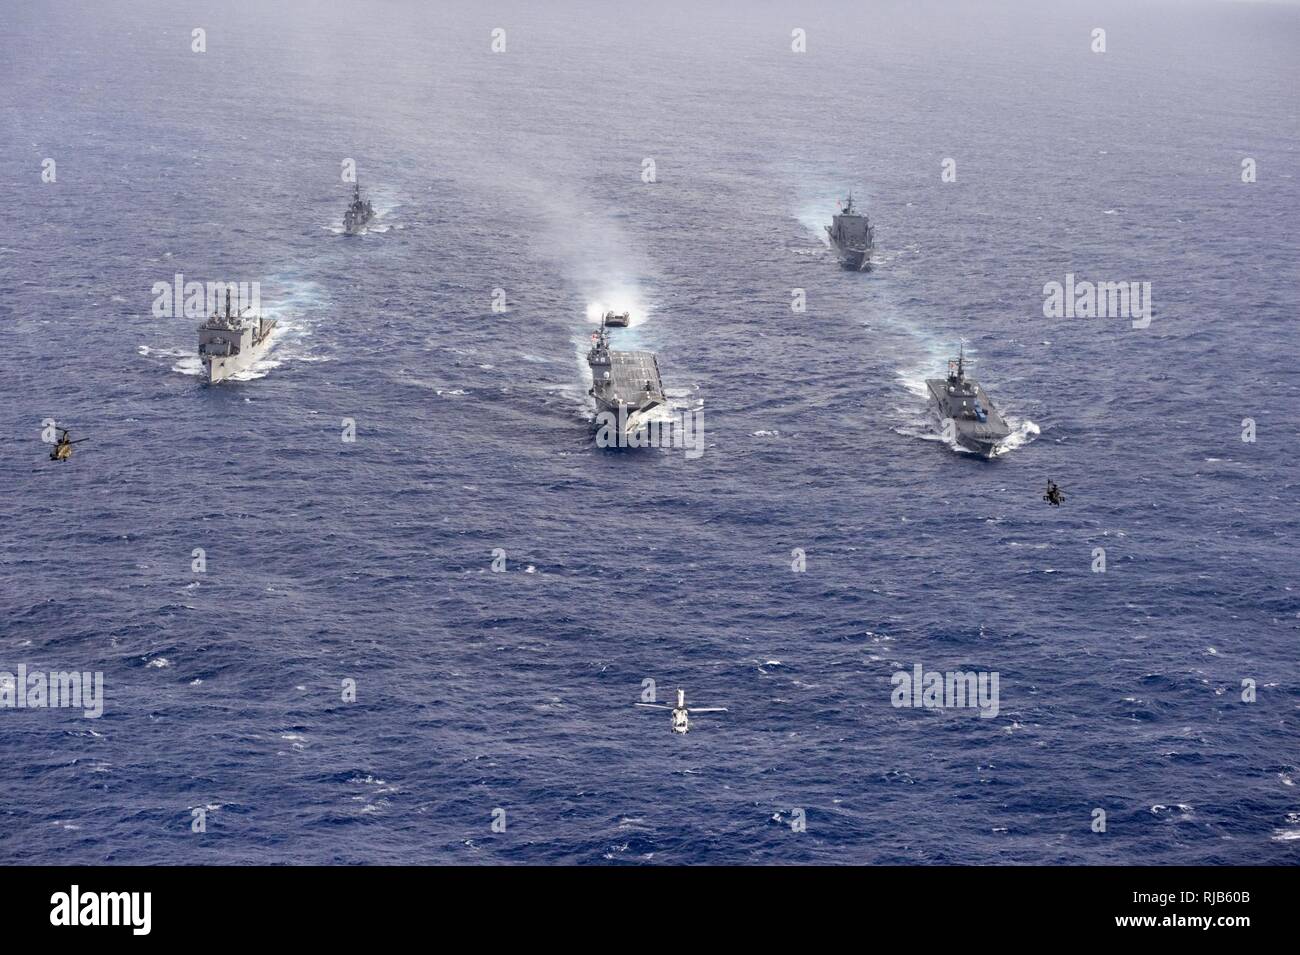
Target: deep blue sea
x=522, y=170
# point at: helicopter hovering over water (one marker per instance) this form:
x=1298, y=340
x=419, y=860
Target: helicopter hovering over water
x=63, y=447
x=1053, y=495
x=681, y=712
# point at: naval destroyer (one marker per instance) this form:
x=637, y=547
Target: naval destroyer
x=625, y=384
x=978, y=425
x=230, y=343
x=358, y=213
x=851, y=234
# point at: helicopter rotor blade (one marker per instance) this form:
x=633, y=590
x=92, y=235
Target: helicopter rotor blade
x=706, y=709
x=655, y=706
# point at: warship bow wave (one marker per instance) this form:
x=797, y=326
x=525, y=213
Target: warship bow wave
x=977, y=424
x=625, y=384
x=852, y=237
x=231, y=343
x=358, y=213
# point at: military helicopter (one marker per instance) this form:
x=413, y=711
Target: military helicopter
x=681, y=718
x=1053, y=495
x=63, y=449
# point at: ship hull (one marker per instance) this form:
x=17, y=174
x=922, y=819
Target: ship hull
x=219, y=369
x=608, y=407
x=623, y=426
x=987, y=450
x=855, y=260
x=984, y=440
x=354, y=223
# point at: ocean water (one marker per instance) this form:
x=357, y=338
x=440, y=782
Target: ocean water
x=371, y=561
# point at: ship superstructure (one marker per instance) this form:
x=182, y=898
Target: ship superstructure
x=231, y=343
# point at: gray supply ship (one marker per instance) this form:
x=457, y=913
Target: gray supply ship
x=358, y=213
x=977, y=424
x=852, y=237
x=231, y=343
x=625, y=384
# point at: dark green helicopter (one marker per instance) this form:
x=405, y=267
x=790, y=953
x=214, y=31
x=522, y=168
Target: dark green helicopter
x=1053, y=495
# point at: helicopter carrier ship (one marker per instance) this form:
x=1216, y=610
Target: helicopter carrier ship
x=852, y=237
x=979, y=427
x=231, y=343
x=625, y=384
x=359, y=212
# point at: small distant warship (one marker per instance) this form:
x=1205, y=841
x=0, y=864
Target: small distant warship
x=979, y=428
x=625, y=384
x=852, y=237
x=228, y=344
x=359, y=212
